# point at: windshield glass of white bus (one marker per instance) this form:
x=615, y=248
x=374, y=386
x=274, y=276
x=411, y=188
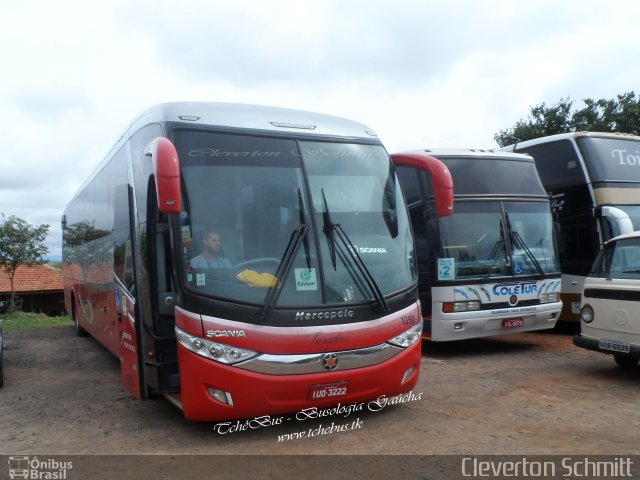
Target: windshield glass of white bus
x=473, y=242
x=262, y=212
x=486, y=239
x=532, y=244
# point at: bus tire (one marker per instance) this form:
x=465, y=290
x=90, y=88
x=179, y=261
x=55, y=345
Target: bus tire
x=80, y=332
x=625, y=362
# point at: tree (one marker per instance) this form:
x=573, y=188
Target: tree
x=618, y=115
x=20, y=244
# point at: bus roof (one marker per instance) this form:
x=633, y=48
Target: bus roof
x=473, y=153
x=569, y=136
x=252, y=117
x=487, y=173
x=238, y=116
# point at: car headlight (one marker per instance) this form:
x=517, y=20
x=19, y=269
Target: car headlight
x=408, y=337
x=213, y=350
x=587, y=314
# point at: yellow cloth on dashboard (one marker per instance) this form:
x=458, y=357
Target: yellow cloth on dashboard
x=255, y=279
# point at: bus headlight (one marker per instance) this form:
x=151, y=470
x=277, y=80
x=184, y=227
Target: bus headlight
x=408, y=337
x=454, y=307
x=549, y=297
x=219, y=352
x=587, y=314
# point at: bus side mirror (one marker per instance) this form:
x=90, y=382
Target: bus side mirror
x=618, y=218
x=166, y=170
x=440, y=175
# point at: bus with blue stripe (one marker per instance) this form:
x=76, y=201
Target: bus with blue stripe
x=491, y=267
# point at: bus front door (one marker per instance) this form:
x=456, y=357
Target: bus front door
x=129, y=357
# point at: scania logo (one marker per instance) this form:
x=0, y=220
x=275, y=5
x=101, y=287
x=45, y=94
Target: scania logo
x=330, y=361
x=513, y=300
x=371, y=250
x=225, y=333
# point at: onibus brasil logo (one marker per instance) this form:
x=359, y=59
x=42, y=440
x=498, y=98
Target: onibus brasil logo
x=32, y=468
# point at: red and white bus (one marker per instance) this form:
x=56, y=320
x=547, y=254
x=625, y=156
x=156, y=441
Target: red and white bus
x=244, y=261
x=491, y=267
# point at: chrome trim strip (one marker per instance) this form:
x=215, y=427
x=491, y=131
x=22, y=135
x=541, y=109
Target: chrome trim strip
x=312, y=363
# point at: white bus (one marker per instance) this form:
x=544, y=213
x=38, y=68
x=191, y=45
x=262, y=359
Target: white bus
x=490, y=268
x=593, y=182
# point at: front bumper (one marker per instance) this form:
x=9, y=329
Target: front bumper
x=259, y=394
x=484, y=323
x=590, y=343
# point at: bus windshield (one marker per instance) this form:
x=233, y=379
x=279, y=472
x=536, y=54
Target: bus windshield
x=498, y=239
x=321, y=223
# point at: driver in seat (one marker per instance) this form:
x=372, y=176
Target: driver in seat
x=211, y=248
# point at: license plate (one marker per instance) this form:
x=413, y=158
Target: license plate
x=328, y=390
x=513, y=322
x=615, y=346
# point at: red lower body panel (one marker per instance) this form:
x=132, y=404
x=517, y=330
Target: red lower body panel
x=256, y=394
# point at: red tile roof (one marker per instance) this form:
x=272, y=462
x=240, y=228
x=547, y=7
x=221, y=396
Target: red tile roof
x=39, y=278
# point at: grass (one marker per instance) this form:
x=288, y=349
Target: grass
x=24, y=320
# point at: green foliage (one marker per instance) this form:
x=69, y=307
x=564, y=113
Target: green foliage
x=20, y=244
x=23, y=321
x=619, y=115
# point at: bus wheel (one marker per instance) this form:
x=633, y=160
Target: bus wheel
x=81, y=332
x=625, y=362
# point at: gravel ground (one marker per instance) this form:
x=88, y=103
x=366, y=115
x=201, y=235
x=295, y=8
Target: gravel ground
x=520, y=394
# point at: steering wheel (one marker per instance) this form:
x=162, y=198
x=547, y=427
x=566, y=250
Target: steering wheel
x=259, y=261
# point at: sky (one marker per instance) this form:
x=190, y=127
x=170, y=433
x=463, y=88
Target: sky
x=422, y=74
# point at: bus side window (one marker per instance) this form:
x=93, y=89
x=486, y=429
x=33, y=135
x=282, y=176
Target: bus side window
x=417, y=190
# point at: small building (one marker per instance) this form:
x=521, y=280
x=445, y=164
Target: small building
x=38, y=289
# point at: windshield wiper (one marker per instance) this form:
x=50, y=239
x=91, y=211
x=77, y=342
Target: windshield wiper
x=494, y=251
x=303, y=221
x=286, y=262
x=330, y=229
x=519, y=241
x=492, y=260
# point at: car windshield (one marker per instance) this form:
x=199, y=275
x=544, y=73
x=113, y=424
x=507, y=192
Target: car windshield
x=291, y=222
x=619, y=259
